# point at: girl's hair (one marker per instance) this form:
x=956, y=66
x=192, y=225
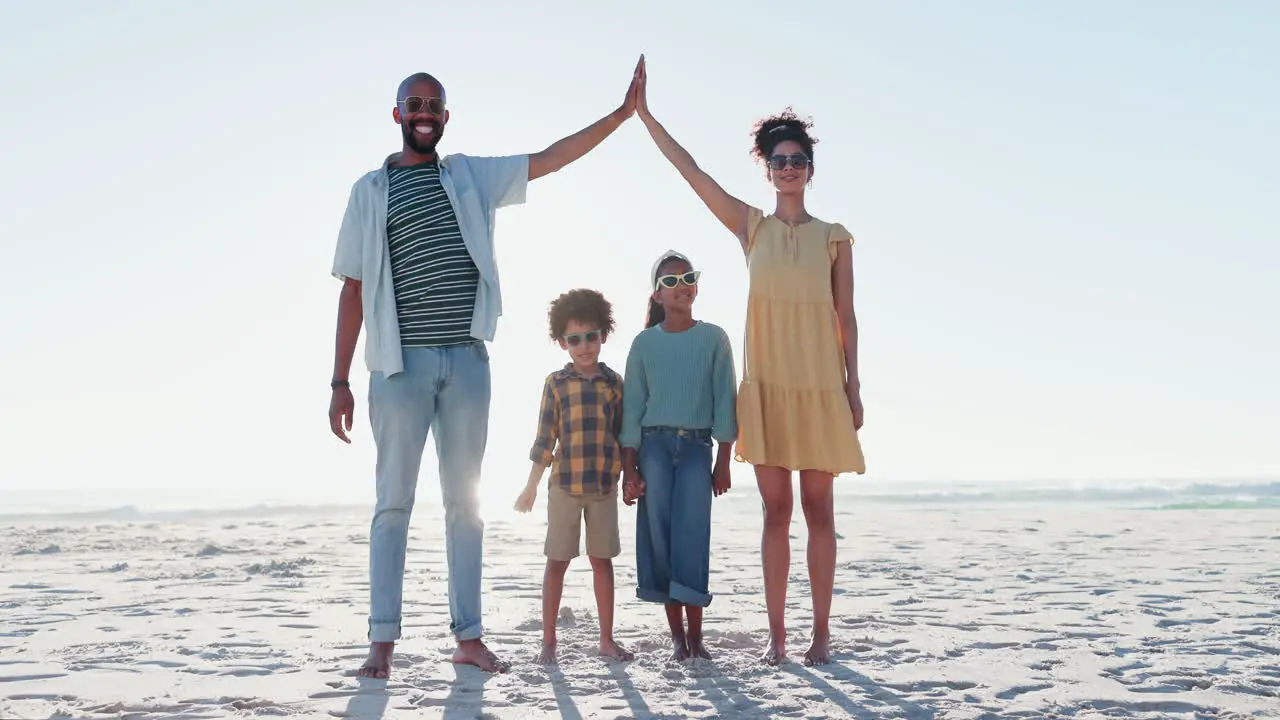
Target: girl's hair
x=786, y=125
x=657, y=313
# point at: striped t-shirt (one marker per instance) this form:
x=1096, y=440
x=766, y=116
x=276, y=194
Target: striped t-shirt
x=434, y=276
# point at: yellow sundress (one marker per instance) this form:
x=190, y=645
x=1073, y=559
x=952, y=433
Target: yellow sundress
x=792, y=408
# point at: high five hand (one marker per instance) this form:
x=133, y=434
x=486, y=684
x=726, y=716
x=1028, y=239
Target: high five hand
x=641, y=96
x=629, y=101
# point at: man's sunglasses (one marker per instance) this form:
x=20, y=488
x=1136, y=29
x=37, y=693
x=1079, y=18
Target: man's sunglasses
x=576, y=339
x=416, y=104
x=670, y=281
x=798, y=161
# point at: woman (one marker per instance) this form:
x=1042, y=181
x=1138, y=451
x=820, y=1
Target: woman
x=799, y=403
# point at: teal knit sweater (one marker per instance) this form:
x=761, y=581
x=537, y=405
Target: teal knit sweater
x=683, y=380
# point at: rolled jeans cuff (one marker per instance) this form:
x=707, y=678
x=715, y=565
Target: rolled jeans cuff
x=384, y=630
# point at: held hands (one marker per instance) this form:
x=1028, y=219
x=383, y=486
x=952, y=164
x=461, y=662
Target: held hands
x=632, y=487
x=342, y=408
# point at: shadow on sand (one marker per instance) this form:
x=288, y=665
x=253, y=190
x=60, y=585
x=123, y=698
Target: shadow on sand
x=466, y=693
x=846, y=675
x=370, y=700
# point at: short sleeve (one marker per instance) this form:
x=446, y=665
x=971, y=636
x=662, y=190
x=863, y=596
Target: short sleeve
x=837, y=235
x=350, y=248
x=503, y=180
x=755, y=218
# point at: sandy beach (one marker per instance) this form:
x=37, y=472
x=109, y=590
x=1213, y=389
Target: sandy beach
x=1026, y=611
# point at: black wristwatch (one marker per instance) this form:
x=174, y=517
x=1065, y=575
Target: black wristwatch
x=335, y=384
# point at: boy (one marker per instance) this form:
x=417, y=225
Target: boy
x=578, y=427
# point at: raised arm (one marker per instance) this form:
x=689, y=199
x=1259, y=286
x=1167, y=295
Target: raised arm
x=566, y=150
x=729, y=210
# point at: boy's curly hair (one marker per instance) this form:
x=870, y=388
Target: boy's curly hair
x=786, y=125
x=585, y=306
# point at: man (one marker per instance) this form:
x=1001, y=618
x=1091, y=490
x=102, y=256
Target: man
x=415, y=254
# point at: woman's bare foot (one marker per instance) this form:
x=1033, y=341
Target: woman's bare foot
x=611, y=648
x=775, y=654
x=819, y=652
x=474, y=652
x=548, y=654
x=378, y=664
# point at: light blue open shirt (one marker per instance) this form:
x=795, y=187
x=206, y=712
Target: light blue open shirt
x=477, y=187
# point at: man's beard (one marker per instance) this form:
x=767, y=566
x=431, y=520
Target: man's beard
x=422, y=146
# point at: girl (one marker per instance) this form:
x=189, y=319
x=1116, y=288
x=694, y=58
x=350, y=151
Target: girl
x=800, y=403
x=678, y=396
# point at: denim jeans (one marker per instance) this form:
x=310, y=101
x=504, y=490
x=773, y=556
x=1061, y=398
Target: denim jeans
x=444, y=391
x=673, y=520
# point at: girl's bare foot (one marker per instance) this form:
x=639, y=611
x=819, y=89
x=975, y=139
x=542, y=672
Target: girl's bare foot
x=775, y=654
x=819, y=652
x=474, y=652
x=548, y=654
x=681, y=652
x=378, y=664
x=697, y=649
x=611, y=648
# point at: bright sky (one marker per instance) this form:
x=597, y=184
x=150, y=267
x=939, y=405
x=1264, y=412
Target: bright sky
x=1066, y=218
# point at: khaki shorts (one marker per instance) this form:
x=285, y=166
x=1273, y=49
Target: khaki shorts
x=564, y=524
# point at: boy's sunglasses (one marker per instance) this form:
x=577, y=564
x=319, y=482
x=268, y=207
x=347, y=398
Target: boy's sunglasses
x=798, y=161
x=576, y=339
x=415, y=104
x=670, y=281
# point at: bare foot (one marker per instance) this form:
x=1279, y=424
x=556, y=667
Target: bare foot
x=697, y=649
x=548, y=654
x=474, y=652
x=378, y=664
x=611, y=648
x=775, y=654
x=681, y=652
x=819, y=652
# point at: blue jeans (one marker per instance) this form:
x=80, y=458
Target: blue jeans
x=444, y=391
x=673, y=520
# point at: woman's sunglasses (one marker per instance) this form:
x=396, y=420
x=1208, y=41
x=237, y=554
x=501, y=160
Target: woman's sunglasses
x=798, y=161
x=576, y=339
x=416, y=104
x=670, y=281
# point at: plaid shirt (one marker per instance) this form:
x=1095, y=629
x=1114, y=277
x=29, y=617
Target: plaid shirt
x=585, y=416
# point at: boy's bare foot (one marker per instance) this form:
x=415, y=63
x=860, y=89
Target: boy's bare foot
x=819, y=652
x=474, y=652
x=697, y=649
x=775, y=654
x=548, y=654
x=378, y=664
x=611, y=648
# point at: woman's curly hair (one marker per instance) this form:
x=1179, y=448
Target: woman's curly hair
x=786, y=125
x=585, y=306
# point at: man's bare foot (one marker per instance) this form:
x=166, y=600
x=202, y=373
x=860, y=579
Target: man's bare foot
x=819, y=653
x=775, y=654
x=378, y=664
x=548, y=654
x=697, y=649
x=610, y=648
x=474, y=652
